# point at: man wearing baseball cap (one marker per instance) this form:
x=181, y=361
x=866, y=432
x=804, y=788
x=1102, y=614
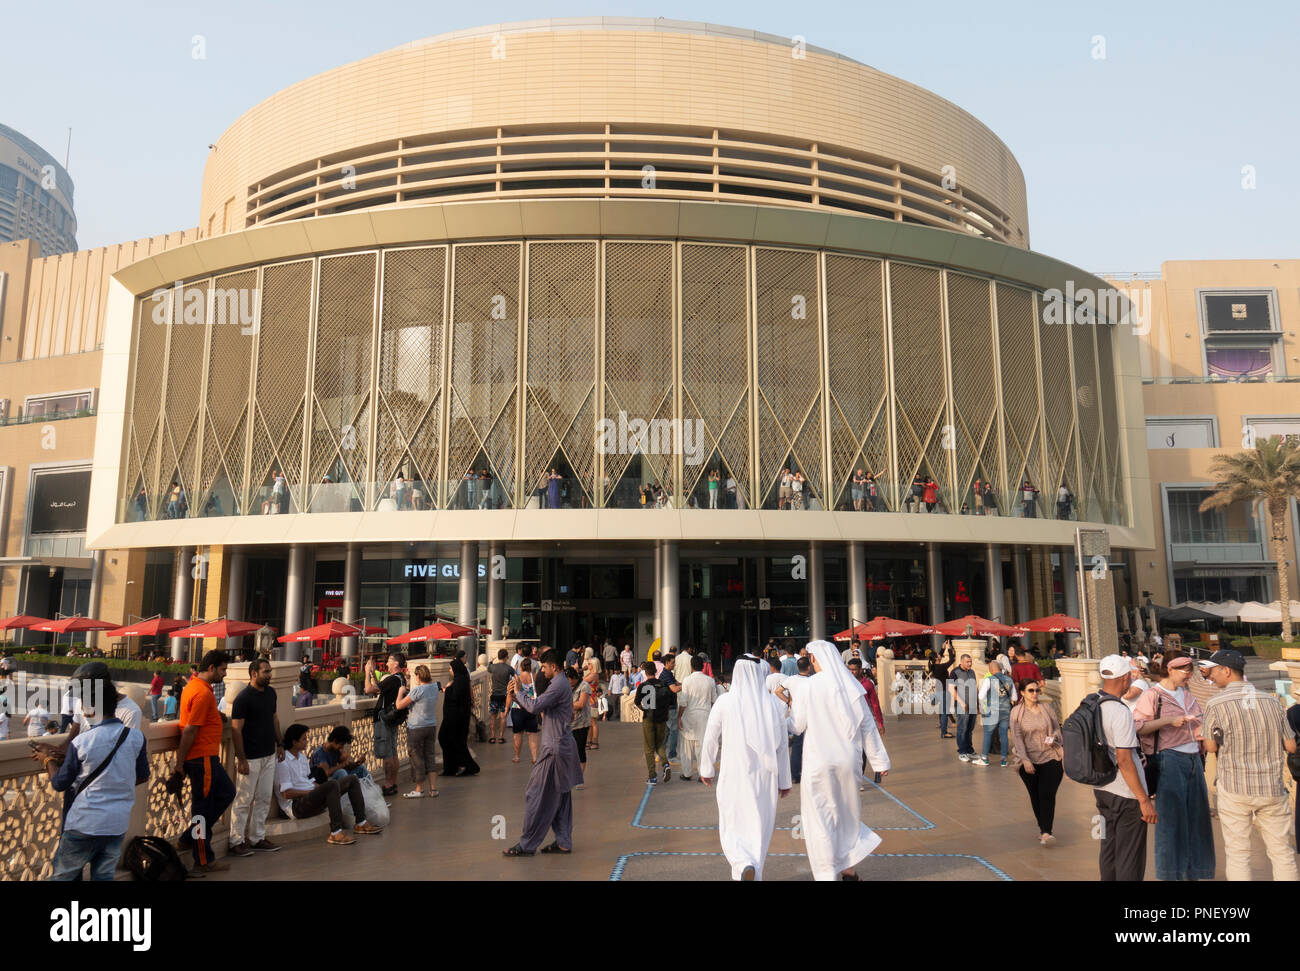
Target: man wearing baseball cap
x=1249, y=732
x=1123, y=803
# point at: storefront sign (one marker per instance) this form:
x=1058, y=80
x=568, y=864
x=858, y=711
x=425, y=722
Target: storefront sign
x=433, y=569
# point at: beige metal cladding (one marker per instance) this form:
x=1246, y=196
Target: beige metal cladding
x=613, y=108
x=356, y=370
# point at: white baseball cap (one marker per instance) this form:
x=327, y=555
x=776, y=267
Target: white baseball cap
x=1115, y=666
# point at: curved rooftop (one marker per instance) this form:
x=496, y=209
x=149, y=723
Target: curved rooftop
x=613, y=107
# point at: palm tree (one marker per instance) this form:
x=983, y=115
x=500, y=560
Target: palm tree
x=1271, y=472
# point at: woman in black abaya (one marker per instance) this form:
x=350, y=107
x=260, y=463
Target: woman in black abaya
x=453, y=734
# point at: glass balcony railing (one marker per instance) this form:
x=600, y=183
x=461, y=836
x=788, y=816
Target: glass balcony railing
x=54, y=416
x=1216, y=379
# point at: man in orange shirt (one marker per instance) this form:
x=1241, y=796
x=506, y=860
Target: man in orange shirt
x=198, y=755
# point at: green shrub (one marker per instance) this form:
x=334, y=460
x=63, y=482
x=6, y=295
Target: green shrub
x=112, y=662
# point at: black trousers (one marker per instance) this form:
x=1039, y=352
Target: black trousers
x=212, y=792
x=580, y=739
x=1124, y=838
x=1042, y=785
x=328, y=796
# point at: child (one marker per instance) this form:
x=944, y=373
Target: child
x=52, y=727
x=171, y=705
x=602, y=705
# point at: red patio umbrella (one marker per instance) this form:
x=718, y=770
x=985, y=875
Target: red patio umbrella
x=22, y=622
x=153, y=627
x=325, y=632
x=219, y=628
x=441, y=631
x=981, y=627
x=71, y=625
x=1054, y=624
x=878, y=628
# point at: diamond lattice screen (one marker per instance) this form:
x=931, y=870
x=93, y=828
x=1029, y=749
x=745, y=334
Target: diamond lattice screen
x=859, y=370
x=715, y=357
x=484, y=361
x=975, y=400
x=638, y=350
x=281, y=389
x=1111, y=438
x=789, y=368
x=410, y=364
x=1088, y=404
x=561, y=363
x=1061, y=462
x=180, y=437
x=146, y=398
x=920, y=397
x=345, y=320
x=230, y=360
x=1019, y=365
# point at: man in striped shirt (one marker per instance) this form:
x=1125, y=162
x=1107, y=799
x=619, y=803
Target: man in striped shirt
x=1248, y=731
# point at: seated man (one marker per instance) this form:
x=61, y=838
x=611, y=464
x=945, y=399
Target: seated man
x=300, y=798
x=335, y=757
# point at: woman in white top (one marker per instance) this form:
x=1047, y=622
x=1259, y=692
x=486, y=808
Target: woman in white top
x=1168, y=721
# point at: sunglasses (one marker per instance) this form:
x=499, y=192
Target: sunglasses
x=1031, y=691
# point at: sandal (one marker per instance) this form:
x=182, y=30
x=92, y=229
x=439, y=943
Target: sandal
x=517, y=850
x=515, y=759
x=492, y=741
x=556, y=848
x=433, y=793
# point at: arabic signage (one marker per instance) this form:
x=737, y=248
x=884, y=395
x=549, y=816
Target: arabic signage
x=59, y=501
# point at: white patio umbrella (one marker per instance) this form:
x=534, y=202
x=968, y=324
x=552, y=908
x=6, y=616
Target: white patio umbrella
x=1254, y=612
x=1227, y=609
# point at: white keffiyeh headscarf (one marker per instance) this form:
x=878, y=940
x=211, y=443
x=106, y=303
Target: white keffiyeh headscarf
x=845, y=708
x=762, y=723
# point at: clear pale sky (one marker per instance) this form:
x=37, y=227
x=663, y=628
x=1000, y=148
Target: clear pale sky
x=1129, y=161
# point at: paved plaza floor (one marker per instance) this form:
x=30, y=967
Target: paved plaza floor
x=939, y=818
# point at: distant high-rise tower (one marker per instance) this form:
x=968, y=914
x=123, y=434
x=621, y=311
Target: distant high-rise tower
x=35, y=195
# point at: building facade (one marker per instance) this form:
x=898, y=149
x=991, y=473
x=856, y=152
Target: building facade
x=600, y=334
x=1220, y=370
x=35, y=195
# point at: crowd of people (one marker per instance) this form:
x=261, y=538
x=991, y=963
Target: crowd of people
x=1188, y=742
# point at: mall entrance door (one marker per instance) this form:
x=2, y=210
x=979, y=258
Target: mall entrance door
x=708, y=624
x=590, y=624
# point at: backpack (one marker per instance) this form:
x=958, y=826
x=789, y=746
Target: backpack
x=1087, y=757
x=152, y=858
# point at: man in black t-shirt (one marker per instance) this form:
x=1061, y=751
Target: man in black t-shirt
x=668, y=679
x=500, y=672
x=255, y=732
x=653, y=697
x=385, y=737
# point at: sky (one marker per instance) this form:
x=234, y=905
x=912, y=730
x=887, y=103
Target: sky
x=1181, y=142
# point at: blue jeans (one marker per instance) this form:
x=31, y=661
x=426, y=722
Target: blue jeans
x=942, y=694
x=361, y=772
x=965, y=729
x=1002, y=726
x=153, y=705
x=671, y=744
x=77, y=849
x=1184, y=835
x=796, y=757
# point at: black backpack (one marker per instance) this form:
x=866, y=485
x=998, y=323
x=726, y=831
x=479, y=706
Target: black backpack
x=1087, y=756
x=152, y=858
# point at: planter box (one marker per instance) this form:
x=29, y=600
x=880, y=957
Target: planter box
x=47, y=669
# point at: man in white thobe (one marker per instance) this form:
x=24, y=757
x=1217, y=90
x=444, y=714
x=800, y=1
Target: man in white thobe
x=831, y=713
x=693, y=705
x=749, y=724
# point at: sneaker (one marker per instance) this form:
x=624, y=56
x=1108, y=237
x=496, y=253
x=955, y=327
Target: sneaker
x=1047, y=839
x=668, y=772
x=979, y=761
x=413, y=794
x=203, y=869
x=367, y=829
x=340, y=839
x=266, y=846
x=580, y=785
x=240, y=849
x=1004, y=763
x=653, y=780
x=963, y=756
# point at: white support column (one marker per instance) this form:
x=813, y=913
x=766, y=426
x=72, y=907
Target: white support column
x=468, y=602
x=496, y=589
x=96, y=592
x=235, y=595
x=816, y=593
x=351, y=595
x=934, y=580
x=659, y=591
x=670, y=622
x=1070, y=583
x=182, y=595
x=859, y=603
x=295, y=581
x=1022, y=583
x=993, y=581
